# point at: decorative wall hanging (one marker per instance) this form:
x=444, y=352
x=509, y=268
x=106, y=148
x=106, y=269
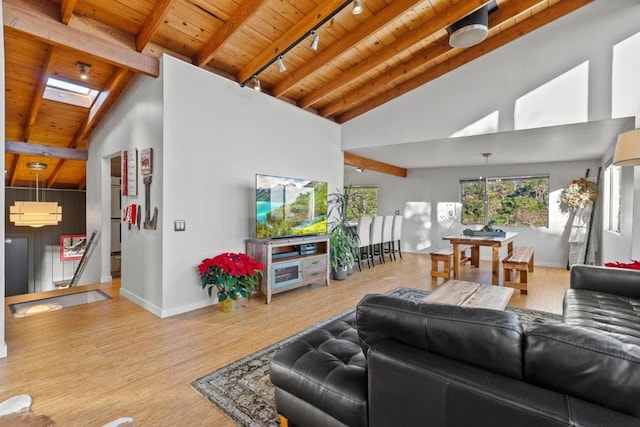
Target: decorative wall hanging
x=131, y=157
x=72, y=246
x=146, y=159
x=150, y=223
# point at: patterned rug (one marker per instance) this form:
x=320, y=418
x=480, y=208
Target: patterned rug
x=242, y=389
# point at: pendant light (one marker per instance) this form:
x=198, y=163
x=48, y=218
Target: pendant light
x=35, y=214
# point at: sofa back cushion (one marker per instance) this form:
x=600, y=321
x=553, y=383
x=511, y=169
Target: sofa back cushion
x=488, y=339
x=584, y=363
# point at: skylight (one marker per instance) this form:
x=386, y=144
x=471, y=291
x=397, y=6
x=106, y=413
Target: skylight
x=69, y=93
x=71, y=87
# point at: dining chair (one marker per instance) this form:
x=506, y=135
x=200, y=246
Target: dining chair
x=376, y=238
x=397, y=234
x=363, y=233
x=387, y=237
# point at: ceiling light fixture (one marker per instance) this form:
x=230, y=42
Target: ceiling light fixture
x=35, y=214
x=360, y=169
x=256, y=84
x=473, y=28
x=281, y=65
x=357, y=7
x=628, y=149
x=316, y=40
x=84, y=70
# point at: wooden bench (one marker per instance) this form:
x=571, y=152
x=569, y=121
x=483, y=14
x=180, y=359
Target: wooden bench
x=521, y=261
x=446, y=257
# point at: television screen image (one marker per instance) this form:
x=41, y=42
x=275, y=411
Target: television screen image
x=290, y=206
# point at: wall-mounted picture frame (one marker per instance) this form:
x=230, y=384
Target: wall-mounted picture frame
x=72, y=246
x=146, y=161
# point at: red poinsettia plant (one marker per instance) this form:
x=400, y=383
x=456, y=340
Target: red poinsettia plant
x=231, y=274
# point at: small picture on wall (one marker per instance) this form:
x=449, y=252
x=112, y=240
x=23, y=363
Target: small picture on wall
x=146, y=161
x=72, y=246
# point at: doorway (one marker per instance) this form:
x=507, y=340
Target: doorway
x=116, y=216
x=16, y=262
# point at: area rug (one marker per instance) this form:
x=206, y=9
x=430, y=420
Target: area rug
x=242, y=389
x=45, y=305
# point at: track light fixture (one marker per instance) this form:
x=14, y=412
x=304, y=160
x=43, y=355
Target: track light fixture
x=316, y=40
x=84, y=70
x=281, y=65
x=357, y=7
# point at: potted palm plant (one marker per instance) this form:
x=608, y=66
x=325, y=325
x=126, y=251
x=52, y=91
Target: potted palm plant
x=340, y=204
x=341, y=247
x=233, y=275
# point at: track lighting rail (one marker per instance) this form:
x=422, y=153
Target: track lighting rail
x=312, y=32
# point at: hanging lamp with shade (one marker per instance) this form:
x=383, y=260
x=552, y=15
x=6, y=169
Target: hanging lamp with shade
x=35, y=213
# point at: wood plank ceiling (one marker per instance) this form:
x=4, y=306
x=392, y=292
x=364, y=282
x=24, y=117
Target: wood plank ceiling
x=362, y=61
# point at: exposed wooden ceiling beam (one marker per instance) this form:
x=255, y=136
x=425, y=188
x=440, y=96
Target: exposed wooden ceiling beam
x=21, y=17
x=54, y=174
x=431, y=54
x=83, y=183
x=66, y=10
x=298, y=30
x=523, y=27
x=372, y=25
x=36, y=101
x=17, y=147
x=101, y=105
x=247, y=9
x=417, y=35
x=151, y=24
x=13, y=173
x=373, y=165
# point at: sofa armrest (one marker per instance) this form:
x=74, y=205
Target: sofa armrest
x=617, y=281
x=584, y=363
x=487, y=339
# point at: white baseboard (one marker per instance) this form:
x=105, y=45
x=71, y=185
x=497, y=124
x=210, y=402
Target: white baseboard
x=160, y=312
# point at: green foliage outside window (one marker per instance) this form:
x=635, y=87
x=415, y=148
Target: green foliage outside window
x=513, y=201
x=363, y=201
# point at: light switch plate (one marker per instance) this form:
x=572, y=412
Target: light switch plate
x=179, y=225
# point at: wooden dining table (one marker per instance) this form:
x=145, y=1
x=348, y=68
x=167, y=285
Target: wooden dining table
x=495, y=242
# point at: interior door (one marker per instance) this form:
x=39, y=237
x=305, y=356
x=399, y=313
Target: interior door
x=16, y=262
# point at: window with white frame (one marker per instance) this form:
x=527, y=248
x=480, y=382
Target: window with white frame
x=520, y=201
x=611, y=214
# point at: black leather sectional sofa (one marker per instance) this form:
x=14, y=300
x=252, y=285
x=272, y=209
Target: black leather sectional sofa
x=400, y=363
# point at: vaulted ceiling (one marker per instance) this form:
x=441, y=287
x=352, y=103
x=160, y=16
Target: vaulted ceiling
x=361, y=62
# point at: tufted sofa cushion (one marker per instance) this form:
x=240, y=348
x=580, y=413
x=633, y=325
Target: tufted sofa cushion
x=615, y=315
x=327, y=369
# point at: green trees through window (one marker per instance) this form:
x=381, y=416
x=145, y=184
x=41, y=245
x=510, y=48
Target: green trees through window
x=363, y=201
x=513, y=201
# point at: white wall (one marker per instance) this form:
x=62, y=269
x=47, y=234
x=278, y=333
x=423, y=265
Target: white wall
x=217, y=136
x=567, y=57
x=563, y=73
x=134, y=123
x=210, y=138
x=418, y=197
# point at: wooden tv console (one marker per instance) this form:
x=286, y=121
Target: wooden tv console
x=292, y=262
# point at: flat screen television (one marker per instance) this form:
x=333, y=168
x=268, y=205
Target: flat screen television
x=287, y=207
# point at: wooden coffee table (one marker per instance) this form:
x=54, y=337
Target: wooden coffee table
x=470, y=294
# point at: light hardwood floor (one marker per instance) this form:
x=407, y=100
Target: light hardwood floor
x=90, y=364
